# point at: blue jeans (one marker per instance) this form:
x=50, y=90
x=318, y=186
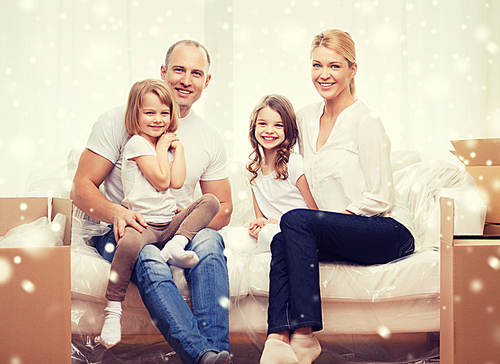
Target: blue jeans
x=308, y=236
x=190, y=333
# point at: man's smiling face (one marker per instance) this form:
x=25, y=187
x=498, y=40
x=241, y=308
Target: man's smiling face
x=187, y=74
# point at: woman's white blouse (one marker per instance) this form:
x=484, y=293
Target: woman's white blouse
x=352, y=170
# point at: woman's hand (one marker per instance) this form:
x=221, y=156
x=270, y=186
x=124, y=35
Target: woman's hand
x=256, y=226
x=347, y=212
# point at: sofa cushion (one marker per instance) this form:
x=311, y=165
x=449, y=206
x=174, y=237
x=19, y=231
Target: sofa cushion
x=90, y=272
x=410, y=277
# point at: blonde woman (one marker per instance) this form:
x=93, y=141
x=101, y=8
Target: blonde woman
x=361, y=217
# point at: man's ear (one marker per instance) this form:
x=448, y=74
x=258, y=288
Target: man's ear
x=207, y=81
x=163, y=72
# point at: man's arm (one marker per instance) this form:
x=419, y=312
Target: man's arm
x=91, y=172
x=222, y=190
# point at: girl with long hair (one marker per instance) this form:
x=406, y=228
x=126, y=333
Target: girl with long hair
x=277, y=177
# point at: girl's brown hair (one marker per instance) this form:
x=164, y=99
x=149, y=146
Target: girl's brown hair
x=135, y=100
x=284, y=108
x=340, y=42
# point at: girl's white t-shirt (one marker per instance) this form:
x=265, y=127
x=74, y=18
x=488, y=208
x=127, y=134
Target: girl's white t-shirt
x=204, y=149
x=277, y=196
x=140, y=195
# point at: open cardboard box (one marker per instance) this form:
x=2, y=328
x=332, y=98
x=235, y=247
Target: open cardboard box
x=481, y=158
x=35, y=288
x=470, y=275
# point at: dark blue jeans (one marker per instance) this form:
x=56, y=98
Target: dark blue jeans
x=190, y=333
x=308, y=236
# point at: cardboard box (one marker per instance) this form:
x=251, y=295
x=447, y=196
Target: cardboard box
x=35, y=288
x=491, y=229
x=470, y=295
x=481, y=158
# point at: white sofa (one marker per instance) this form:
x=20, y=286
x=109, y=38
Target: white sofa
x=381, y=313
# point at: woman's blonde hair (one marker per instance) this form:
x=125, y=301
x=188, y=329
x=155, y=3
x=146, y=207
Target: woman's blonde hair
x=284, y=108
x=135, y=102
x=340, y=42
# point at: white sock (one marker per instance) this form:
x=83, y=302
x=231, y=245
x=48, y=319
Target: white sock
x=306, y=347
x=277, y=352
x=173, y=252
x=111, y=333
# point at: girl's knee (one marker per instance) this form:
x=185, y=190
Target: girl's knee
x=266, y=236
x=129, y=246
x=212, y=203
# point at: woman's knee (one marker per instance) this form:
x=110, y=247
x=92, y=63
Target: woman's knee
x=277, y=243
x=294, y=218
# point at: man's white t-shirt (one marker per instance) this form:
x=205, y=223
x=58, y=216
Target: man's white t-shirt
x=206, y=157
x=139, y=194
x=277, y=196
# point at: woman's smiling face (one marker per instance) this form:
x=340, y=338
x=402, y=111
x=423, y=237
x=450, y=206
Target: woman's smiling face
x=331, y=73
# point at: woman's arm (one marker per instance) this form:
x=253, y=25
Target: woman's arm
x=374, y=159
x=303, y=187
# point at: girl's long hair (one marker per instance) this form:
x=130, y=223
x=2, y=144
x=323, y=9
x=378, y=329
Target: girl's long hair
x=284, y=108
x=135, y=99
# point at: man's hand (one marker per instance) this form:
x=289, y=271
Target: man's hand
x=127, y=218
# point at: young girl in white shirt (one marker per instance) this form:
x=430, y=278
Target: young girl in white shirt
x=152, y=164
x=362, y=218
x=277, y=177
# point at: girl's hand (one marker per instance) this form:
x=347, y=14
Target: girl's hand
x=347, y=212
x=176, y=145
x=166, y=140
x=273, y=221
x=256, y=226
